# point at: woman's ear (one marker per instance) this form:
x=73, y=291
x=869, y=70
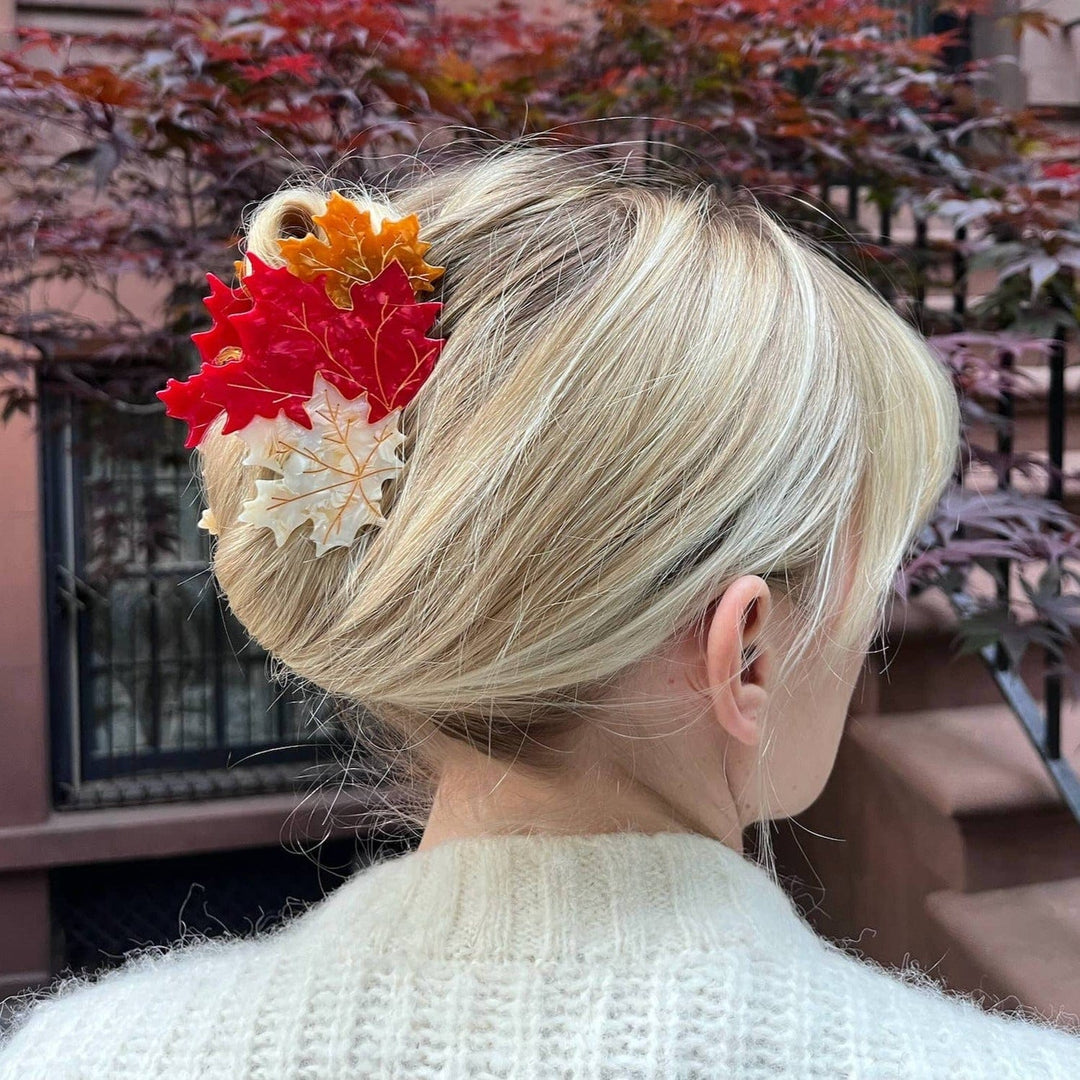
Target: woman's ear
x=736, y=663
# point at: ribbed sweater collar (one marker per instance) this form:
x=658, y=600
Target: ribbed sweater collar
x=544, y=896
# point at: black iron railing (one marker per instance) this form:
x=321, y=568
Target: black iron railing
x=1041, y=722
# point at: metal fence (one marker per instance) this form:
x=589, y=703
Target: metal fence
x=1041, y=721
x=156, y=690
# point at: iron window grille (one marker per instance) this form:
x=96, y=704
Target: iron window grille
x=156, y=691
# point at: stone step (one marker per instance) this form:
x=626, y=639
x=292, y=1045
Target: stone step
x=1030, y=412
x=1001, y=822
x=1029, y=429
x=1013, y=944
x=981, y=477
x=918, y=803
x=927, y=671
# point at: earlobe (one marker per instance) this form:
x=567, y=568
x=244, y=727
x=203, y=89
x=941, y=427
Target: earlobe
x=738, y=689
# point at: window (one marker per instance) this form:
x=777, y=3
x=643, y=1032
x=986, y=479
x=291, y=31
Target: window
x=156, y=690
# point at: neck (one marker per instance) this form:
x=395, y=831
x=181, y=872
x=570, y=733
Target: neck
x=484, y=798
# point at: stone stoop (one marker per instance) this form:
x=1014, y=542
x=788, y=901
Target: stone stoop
x=940, y=841
x=1020, y=946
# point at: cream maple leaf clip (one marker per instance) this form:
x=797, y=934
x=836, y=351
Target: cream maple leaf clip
x=331, y=475
x=208, y=522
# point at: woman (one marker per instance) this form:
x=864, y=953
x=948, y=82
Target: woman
x=614, y=597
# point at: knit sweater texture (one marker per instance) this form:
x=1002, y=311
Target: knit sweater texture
x=621, y=955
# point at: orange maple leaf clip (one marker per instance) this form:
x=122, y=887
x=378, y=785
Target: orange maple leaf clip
x=352, y=250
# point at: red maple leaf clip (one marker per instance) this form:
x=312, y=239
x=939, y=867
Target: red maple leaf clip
x=222, y=303
x=278, y=331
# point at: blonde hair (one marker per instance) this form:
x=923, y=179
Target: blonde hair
x=644, y=394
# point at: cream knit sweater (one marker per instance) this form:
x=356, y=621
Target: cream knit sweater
x=619, y=955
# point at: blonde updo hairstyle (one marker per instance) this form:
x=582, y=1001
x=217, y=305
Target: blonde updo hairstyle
x=644, y=394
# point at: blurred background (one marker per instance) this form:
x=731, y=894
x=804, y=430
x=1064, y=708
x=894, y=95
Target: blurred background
x=157, y=781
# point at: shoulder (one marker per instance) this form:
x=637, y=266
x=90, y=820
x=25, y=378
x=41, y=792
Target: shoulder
x=117, y=1023
x=228, y=1008
x=905, y=1023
